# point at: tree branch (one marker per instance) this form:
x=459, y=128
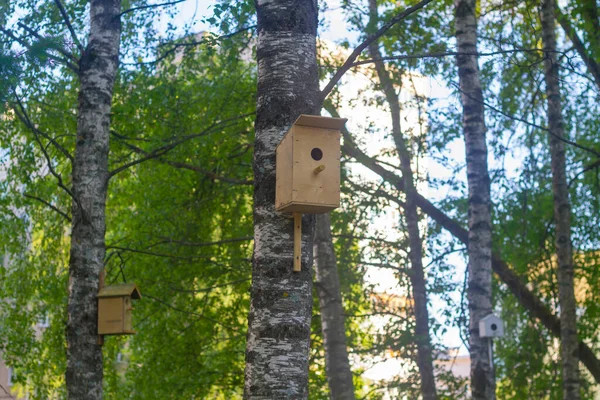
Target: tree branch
x=169, y=3
x=24, y=117
x=63, y=12
x=166, y=148
x=175, y=46
x=23, y=43
x=370, y=39
x=562, y=139
x=590, y=63
x=207, y=173
x=50, y=205
x=448, y=54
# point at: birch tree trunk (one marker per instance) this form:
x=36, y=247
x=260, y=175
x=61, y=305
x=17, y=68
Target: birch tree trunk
x=98, y=69
x=479, y=292
x=333, y=321
x=417, y=274
x=277, y=349
x=569, y=343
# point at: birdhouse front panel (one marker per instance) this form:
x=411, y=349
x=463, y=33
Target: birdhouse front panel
x=111, y=313
x=316, y=172
x=308, y=166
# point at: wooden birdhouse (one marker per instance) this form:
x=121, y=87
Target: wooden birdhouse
x=308, y=171
x=308, y=166
x=115, y=307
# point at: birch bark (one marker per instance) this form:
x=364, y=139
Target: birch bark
x=417, y=274
x=98, y=70
x=333, y=321
x=277, y=349
x=569, y=344
x=479, y=292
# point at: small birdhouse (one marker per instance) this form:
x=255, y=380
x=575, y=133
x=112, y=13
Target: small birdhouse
x=114, y=309
x=491, y=326
x=308, y=166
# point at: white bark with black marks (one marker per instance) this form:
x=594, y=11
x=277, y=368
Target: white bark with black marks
x=277, y=349
x=479, y=292
x=333, y=321
x=98, y=69
x=569, y=344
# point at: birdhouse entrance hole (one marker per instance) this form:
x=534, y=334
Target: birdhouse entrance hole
x=316, y=154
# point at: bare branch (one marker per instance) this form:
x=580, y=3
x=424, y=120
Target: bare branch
x=63, y=12
x=50, y=205
x=562, y=139
x=192, y=43
x=23, y=43
x=166, y=148
x=48, y=159
x=370, y=39
x=207, y=173
x=36, y=35
x=209, y=288
x=448, y=54
x=205, y=244
x=191, y=313
x=169, y=3
x=24, y=117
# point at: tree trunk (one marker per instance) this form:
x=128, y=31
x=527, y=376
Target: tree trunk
x=479, y=292
x=337, y=365
x=98, y=69
x=417, y=274
x=277, y=349
x=526, y=298
x=562, y=210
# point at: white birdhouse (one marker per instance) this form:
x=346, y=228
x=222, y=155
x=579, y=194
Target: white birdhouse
x=491, y=326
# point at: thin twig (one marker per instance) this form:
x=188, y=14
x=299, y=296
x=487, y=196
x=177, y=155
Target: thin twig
x=166, y=148
x=370, y=39
x=49, y=162
x=190, y=313
x=52, y=206
x=63, y=12
x=169, y=3
x=189, y=44
x=207, y=173
x=449, y=54
x=562, y=139
x=36, y=35
x=24, y=117
x=23, y=43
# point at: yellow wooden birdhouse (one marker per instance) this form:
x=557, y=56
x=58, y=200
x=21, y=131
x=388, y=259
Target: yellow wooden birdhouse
x=308, y=166
x=115, y=309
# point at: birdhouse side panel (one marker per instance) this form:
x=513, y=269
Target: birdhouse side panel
x=127, y=315
x=110, y=316
x=283, y=171
x=316, y=170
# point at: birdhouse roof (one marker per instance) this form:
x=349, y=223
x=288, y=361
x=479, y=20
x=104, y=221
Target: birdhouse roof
x=491, y=317
x=126, y=289
x=316, y=121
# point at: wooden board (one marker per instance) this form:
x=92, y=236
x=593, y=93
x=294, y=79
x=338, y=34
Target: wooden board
x=307, y=186
x=283, y=170
x=110, y=316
